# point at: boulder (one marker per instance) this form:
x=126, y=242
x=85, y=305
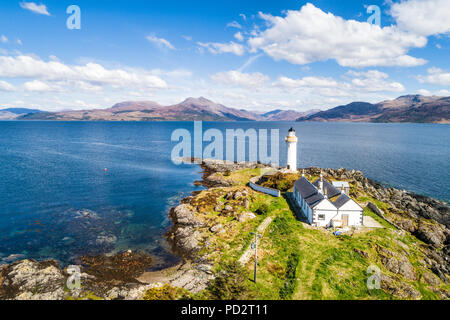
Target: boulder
x=398, y=288
x=246, y=204
x=431, y=279
x=245, y=216
x=372, y=206
x=183, y=215
x=217, y=228
x=187, y=240
x=237, y=195
x=432, y=234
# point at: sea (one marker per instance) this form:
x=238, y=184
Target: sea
x=69, y=189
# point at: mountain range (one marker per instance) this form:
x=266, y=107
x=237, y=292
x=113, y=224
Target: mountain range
x=191, y=109
x=410, y=108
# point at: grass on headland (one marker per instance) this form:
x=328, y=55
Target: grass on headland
x=299, y=262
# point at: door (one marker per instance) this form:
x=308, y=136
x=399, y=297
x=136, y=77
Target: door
x=345, y=218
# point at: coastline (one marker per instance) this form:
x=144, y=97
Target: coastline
x=407, y=212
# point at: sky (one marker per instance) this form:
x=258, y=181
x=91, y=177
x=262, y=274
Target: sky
x=256, y=55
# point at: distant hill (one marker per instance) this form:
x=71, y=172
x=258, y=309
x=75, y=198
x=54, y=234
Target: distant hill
x=191, y=109
x=286, y=115
x=410, y=108
x=14, y=113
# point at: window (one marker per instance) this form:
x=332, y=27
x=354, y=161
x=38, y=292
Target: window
x=321, y=217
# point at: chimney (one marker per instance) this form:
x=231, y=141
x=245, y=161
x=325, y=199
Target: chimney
x=325, y=193
x=321, y=183
x=303, y=173
x=342, y=189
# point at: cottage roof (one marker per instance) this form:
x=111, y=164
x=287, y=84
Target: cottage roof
x=343, y=199
x=308, y=192
x=331, y=191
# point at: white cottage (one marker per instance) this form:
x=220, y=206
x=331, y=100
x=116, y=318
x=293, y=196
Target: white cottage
x=325, y=205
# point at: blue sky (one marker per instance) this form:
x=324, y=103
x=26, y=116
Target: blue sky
x=258, y=55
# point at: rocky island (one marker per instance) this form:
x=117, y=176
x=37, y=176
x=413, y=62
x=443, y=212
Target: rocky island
x=408, y=242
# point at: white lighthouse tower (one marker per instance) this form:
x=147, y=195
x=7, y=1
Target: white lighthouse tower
x=292, y=142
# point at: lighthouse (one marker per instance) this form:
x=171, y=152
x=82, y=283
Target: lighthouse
x=292, y=142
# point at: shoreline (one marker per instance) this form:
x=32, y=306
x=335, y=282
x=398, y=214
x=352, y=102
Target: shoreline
x=194, y=271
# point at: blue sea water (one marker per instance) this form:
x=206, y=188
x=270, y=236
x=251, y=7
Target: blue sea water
x=57, y=201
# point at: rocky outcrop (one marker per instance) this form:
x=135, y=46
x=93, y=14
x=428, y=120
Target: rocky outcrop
x=398, y=288
x=185, y=234
x=32, y=280
x=45, y=280
x=372, y=206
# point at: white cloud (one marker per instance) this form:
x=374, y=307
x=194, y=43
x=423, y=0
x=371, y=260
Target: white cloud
x=436, y=76
x=307, y=82
x=37, y=86
x=217, y=48
x=161, y=42
x=243, y=16
x=90, y=76
x=370, y=81
x=32, y=6
x=238, y=36
x=3, y=39
x=241, y=79
x=310, y=35
x=374, y=81
x=422, y=17
x=443, y=93
x=234, y=24
x=6, y=86
x=19, y=42
x=187, y=38
x=249, y=62
x=424, y=92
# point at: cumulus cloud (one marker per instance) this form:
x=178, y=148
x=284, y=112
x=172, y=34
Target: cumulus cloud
x=234, y=77
x=3, y=39
x=370, y=81
x=160, y=42
x=234, y=24
x=307, y=82
x=436, y=76
x=32, y=6
x=217, y=48
x=37, y=86
x=90, y=76
x=374, y=81
x=310, y=35
x=422, y=17
x=6, y=86
x=238, y=36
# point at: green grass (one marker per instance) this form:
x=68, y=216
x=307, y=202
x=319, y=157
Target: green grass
x=241, y=177
x=384, y=223
x=303, y=263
